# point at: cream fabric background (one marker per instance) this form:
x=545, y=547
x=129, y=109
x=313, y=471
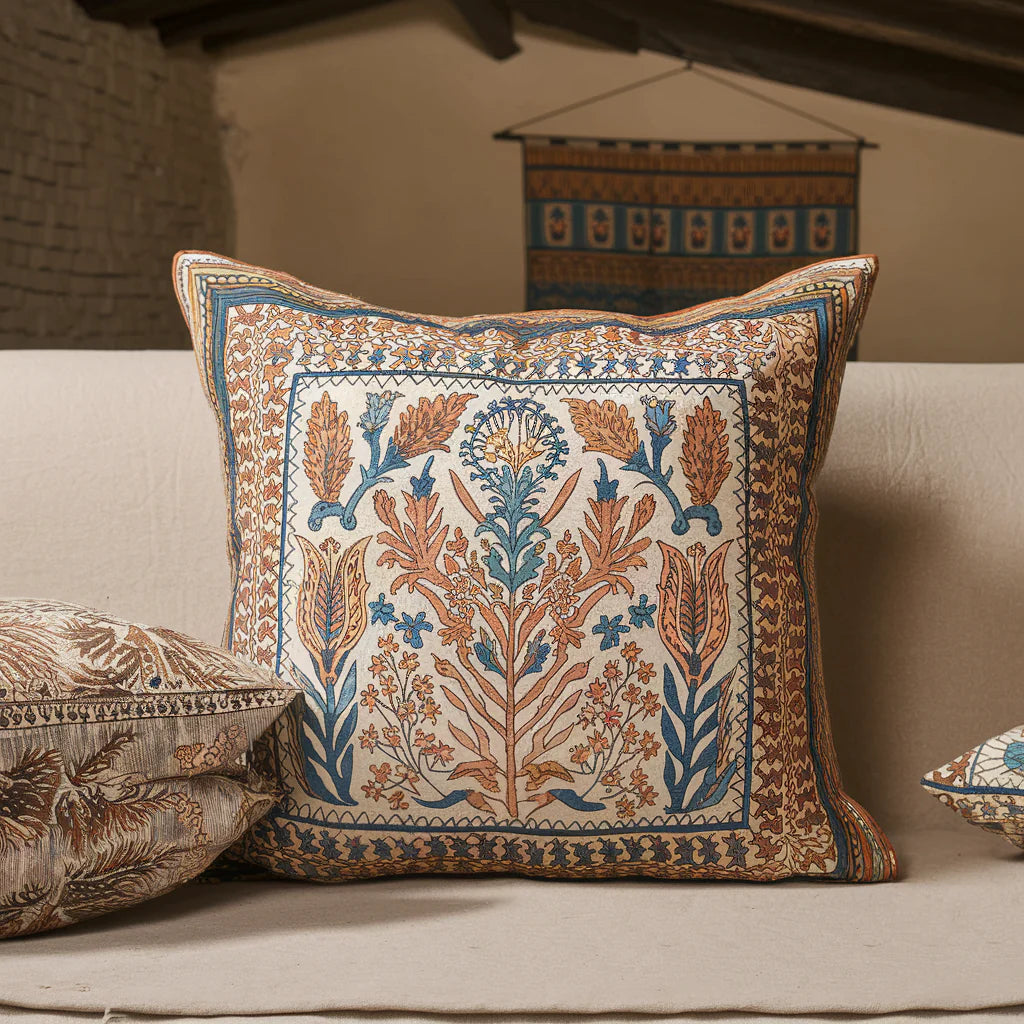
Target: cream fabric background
x=112, y=498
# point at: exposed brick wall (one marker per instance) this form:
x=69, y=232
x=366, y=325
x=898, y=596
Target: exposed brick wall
x=110, y=161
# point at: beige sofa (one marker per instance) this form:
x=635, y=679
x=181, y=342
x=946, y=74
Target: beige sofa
x=110, y=495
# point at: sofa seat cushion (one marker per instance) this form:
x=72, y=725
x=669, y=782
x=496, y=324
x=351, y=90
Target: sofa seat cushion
x=943, y=938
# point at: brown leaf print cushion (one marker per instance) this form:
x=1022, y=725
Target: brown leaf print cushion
x=120, y=760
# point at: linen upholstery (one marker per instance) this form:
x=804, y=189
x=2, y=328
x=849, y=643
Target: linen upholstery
x=580, y=641
x=503, y=946
x=986, y=785
x=119, y=760
x=899, y=522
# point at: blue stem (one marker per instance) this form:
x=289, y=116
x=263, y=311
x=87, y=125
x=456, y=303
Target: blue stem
x=376, y=474
x=681, y=522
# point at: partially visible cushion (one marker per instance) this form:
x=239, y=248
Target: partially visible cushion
x=120, y=771
x=986, y=785
x=546, y=578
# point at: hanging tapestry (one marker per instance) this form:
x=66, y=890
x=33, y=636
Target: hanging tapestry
x=647, y=228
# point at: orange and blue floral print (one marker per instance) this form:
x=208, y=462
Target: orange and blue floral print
x=544, y=579
x=514, y=609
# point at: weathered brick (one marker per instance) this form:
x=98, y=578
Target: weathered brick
x=110, y=161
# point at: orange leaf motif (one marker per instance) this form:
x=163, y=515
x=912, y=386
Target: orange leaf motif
x=327, y=448
x=479, y=801
x=705, y=458
x=543, y=772
x=605, y=427
x=427, y=426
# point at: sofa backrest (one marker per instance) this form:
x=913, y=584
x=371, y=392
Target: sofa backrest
x=111, y=496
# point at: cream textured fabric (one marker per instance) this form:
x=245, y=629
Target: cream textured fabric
x=1010, y=1015
x=509, y=945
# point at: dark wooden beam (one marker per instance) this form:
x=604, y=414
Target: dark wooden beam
x=960, y=28
x=229, y=21
x=586, y=19
x=786, y=51
x=130, y=12
x=491, y=23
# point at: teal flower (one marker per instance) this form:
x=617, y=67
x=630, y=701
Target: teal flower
x=378, y=411
x=383, y=612
x=642, y=614
x=412, y=627
x=658, y=416
x=610, y=629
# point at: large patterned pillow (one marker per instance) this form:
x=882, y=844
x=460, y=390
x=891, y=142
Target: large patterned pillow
x=986, y=785
x=119, y=760
x=546, y=578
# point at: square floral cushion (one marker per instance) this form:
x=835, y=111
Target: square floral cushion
x=545, y=578
x=119, y=760
x=986, y=785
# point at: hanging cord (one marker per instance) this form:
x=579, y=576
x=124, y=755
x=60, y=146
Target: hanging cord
x=511, y=131
x=789, y=108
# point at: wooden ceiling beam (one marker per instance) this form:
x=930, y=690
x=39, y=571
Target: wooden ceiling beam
x=491, y=22
x=786, y=51
x=130, y=12
x=958, y=28
x=586, y=19
x=229, y=21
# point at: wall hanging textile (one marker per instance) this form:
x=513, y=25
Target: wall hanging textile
x=119, y=760
x=649, y=227
x=545, y=578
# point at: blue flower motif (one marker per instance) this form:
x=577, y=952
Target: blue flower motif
x=423, y=484
x=411, y=628
x=475, y=361
x=611, y=628
x=383, y=612
x=587, y=364
x=607, y=490
x=378, y=409
x=642, y=614
x=377, y=357
x=658, y=416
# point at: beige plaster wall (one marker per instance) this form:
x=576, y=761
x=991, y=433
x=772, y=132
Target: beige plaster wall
x=361, y=160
